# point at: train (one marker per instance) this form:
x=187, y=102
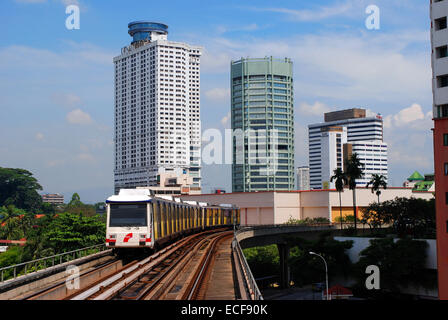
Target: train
x=139, y=220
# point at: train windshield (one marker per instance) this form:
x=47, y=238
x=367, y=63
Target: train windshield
x=128, y=215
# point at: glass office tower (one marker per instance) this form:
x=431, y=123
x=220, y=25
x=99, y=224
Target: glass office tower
x=263, y=124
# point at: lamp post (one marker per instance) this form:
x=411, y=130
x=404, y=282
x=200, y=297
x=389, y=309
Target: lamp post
x=326, y=271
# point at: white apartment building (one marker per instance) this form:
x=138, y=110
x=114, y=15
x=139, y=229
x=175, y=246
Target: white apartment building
x=303, y=178
x=157, y=108
x=373, y=155
x=331, y=154
x=326, y=142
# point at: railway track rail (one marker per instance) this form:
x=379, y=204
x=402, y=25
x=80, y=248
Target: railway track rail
x=151, y=277
x=60, y=290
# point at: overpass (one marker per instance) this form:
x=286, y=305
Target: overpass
x=262, y=235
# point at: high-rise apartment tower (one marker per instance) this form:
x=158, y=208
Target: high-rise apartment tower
x=157, y=108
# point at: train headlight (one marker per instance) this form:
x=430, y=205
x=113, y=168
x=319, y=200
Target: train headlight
x=142, y=236
x=112, y=236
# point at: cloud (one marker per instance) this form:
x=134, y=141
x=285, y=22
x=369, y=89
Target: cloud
x=39, y=136
x=225, y=119
x=250, y=27
x=87, y=157
x=69, y=100
x=317, y=14
x=78, y=116
x=345, y=66
x=316, y=109
x=411, y=117
x=218, y=94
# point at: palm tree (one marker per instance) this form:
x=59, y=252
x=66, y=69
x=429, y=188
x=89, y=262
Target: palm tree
x=340, y=179
x=9, y=223
x=354, y=170
x=377, y=181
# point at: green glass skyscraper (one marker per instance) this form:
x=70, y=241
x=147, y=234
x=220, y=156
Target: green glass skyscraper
x=263, y=124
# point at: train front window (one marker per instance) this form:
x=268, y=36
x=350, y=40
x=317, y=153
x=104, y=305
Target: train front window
x=128, y=215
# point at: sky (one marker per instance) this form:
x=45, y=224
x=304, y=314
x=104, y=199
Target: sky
x=57, y=85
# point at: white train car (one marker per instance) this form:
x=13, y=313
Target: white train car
x=137, y=219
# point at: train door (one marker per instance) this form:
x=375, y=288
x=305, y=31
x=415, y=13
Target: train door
x=156, y=220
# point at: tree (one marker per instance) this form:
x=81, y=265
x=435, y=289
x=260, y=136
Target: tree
x=70, y=231
x=377, y=182
x=354, y=170
x=10, y=223
x=401, y=263
x=340, y=179
x=19, y=188
x=76, y=200
x=305, y=269
x=376, y=215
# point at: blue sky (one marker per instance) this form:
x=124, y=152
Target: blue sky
x=56, y=85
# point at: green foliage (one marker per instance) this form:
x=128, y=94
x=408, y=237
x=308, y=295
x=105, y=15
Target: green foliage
x=19, y=188
x=340, y=179
x=76, y=228
x=76, y=200
x=70, y=231
x=76, y=206
x=408, y=216
x=377, y=182
x=10, y=257
x=13, y=222
x=307, y=269
x=263, y=261
x=307, y=220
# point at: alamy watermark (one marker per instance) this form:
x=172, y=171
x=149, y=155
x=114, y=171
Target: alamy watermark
x=72, y=281
x=73, y=21
x=373, y=280
x=259, y=147
x=373, y=20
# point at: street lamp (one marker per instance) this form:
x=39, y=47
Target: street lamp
x=326, y=271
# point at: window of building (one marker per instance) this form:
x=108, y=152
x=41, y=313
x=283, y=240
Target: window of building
x=440, y=23
x=446, y=197
x=445, y=139
x=445, y=168
x=442, y=81
x=442, y=111
x=441, y=52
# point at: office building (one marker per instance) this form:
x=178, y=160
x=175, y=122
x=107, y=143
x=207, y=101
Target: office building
x=303, y=178
x=262, y=108
x=157, y=108
x=439, y=59
x=345, y=132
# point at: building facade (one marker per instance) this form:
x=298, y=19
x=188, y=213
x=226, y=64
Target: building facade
x=277, y=207
x=262, y=109
x=439, y=60
x=157, y=108
x=303, y=178
x=346, y=131
x=53, y=198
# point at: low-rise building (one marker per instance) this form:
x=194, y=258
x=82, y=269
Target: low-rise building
x=277, y=207
x=173, y=183
x=53, y=198
x=420, y=183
